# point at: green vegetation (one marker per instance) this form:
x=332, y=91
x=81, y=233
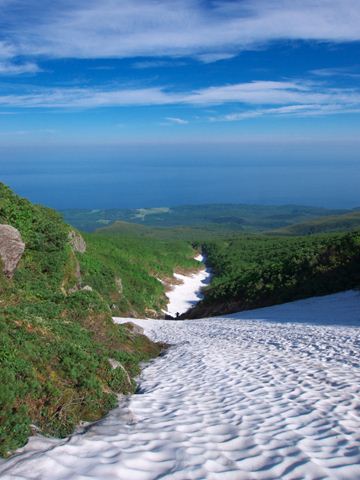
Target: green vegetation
x=56, y=336
x=188, y=234
x=125, y=269
x=217, y=218
x=256, y=271
x=332, y=223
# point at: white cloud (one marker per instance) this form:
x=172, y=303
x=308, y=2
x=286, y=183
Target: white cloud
x=289, y=111
x=86, y=98
x=9, y=68
x=214, y=57
x=148, y=28
x=351, y=72
x=256, y=98
x=145, y=64
x=177, y=121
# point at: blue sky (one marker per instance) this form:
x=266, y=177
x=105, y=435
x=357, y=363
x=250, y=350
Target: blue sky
x=181, y=70
x=177, y=82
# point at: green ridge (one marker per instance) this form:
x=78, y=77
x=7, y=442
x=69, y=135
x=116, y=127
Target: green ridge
x=333, y=223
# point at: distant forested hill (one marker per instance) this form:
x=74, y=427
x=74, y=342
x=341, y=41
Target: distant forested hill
x=332, y=223
x=215, y=217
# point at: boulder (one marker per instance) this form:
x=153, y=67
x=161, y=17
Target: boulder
x=119, y=285
x=116, y=364
x=77, y=242
x=87, y=288
x=11, y=249
x=135, y=329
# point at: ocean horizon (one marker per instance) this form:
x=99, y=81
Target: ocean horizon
x=136, y=178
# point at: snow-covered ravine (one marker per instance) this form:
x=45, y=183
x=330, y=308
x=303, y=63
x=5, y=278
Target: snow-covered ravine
x=187, y=292
x=272, y=393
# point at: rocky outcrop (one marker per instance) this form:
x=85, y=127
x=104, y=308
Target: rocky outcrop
x=133, y=328
x=87, y=288
x=77, y=242
x=119, y=285
x=116, y=364
x=11, y=249
x=78, y=245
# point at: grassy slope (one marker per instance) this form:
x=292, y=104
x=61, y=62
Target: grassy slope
x=256, y=271
x=55, y=345
x=214, y=218
x=125, y=268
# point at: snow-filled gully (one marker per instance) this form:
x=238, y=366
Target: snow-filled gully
x=268, y=394
x=188, y=292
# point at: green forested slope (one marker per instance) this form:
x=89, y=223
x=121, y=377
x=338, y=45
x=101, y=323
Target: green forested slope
x=189, y=234
x=256, y=271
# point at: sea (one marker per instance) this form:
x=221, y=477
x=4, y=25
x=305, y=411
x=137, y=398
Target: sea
x=136, y=177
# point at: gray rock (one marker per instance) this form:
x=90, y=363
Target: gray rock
x=135, y=329
x=119, y=285
x=115, y=364
x=77, y=242
x=11, y=248
x=77, y=286
x=87, y=288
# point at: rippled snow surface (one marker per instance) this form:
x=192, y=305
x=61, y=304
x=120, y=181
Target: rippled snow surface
x=233, y=398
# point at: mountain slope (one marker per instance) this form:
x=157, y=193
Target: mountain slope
x=126, y=269
x=57, y=334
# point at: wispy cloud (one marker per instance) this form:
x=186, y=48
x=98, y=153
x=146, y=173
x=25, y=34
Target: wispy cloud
x=9, y=68
x=177, y=121
x=214, y=57
x=209, y=31
x=350, y=72
x=289, y=111
x=8, y=63
x=87, y=98
x=256, y=98
x=20, y=133
x=147, y=64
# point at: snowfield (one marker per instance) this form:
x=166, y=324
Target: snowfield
x=272, y=393
x=188, y=292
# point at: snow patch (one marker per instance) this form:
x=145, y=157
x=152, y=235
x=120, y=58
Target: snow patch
x=188, y=292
